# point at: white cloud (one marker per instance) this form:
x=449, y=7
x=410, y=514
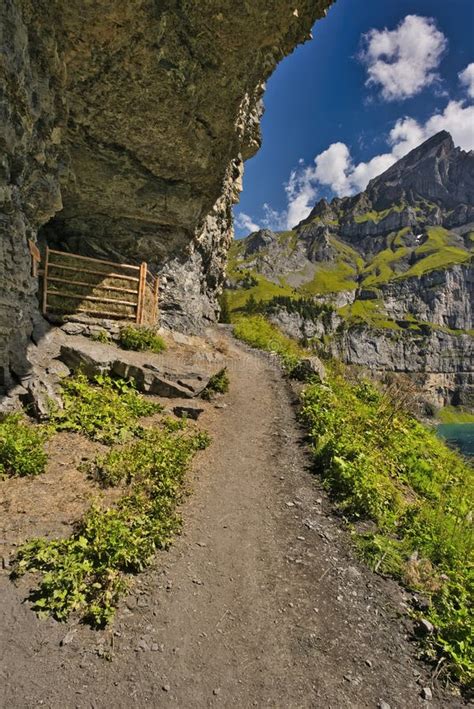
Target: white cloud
x=244, y=221
x=301, y=192
x=403, y=61
x=466, y=78
x=272, y=219
x=456, y=118
x=362, y=173
x=332, y=166
x=405, y=135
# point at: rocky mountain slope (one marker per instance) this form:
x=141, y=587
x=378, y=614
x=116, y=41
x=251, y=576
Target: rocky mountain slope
x=123, y=131
x=394, y=263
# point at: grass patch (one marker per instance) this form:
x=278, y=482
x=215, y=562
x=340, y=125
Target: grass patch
x=455, y=414
x=85, y=574
x=374, y=216
x=217, y=384
x=256, y=331
x=288, y=239
x=337, y=276
x=380, y=269
x=140, y=339
x=438, y=251
x=263, y=290
x=369, y=312
x=398, y=239
x=449, y=256
x=103, y=409
x=331, y=279
x=21, y=447
x=380, y=464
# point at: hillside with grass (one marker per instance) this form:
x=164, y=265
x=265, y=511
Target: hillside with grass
x=393, y=263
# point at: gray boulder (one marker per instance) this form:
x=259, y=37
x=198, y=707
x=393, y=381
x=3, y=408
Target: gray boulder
x=310, y=368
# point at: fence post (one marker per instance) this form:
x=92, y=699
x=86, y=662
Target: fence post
x=35, y=257
x=141, y=292
x=45, y=282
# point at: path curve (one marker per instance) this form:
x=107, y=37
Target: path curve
x=259, y=602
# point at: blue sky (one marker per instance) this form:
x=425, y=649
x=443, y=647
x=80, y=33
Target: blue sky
x=377, y=79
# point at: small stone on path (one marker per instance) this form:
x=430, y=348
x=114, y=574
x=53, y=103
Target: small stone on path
x=427, y=694
x=68, y=638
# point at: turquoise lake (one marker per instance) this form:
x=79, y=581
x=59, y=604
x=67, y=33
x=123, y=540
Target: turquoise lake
x=460, y=435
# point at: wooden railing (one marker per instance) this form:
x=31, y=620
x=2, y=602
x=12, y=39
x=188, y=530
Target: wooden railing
x=81, y=284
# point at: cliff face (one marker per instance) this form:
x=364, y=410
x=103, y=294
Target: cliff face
x=394, y=263
x=32, y=113
x=442, y=297
x=440, y=362
x=123, y=129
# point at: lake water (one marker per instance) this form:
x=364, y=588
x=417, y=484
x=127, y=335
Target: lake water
x=460, y=435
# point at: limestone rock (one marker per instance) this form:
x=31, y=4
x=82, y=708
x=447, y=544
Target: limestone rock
x=73, y=328
x=427, y=693
x=440, y=362
x=94, y=358
x=148, y=380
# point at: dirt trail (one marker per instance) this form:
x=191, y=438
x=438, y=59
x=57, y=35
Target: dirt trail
x=258, y=603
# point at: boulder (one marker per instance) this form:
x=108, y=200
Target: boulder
x=95, y=358
x=150, y=381
x=310, y=368
x=91, y=360
x=41, y=394
x=190, y=412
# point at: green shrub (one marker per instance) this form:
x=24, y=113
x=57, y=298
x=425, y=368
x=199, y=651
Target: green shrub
x=224, y=315
x=21, y=447
x=252, y=305
x=105, y=409
x=85, y=573
x=248, y=280
x=217, y=384
x=101, y=336
x=140, y=339
x=157, y=452
x=382, y=465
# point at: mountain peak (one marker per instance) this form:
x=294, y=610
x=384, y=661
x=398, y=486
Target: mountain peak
x=435, y=170
x=440, y=142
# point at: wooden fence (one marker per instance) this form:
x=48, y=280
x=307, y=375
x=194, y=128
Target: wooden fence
x=81, y=284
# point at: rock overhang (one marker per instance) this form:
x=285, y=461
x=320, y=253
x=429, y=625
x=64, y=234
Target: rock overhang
x=123, y=128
